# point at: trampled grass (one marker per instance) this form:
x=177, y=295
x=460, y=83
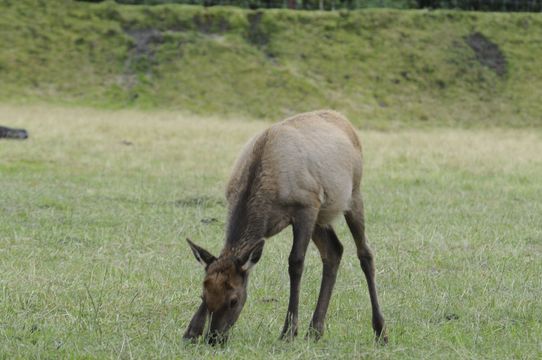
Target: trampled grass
x=95, y=206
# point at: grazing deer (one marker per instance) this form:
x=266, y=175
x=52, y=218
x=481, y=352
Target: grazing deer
x=304, y=172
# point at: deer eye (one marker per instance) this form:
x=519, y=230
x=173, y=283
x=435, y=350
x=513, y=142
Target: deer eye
x=233, y=302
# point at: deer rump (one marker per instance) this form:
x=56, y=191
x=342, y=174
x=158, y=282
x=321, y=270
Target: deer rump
x=312, y=159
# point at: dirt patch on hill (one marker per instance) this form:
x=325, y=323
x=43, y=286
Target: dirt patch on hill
x=211, y=24
x=143, y=41
x=256, y=35
x=487, y=52
x=140, y=57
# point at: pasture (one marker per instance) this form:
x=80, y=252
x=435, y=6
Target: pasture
x=95, y=207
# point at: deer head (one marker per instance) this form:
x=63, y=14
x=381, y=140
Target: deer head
x=225, y=285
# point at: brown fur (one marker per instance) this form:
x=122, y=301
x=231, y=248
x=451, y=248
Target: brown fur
x=304, y=171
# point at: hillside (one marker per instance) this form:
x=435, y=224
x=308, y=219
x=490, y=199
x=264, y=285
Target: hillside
x=383, y=68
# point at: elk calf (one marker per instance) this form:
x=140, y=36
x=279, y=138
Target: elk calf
x=304, y=172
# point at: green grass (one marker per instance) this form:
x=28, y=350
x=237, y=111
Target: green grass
x=383, y=68
x=94, y=262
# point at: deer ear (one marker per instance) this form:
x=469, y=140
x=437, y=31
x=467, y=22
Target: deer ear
x=202, y=255
x=251, y=255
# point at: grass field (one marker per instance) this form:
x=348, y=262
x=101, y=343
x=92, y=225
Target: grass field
x=95, y=207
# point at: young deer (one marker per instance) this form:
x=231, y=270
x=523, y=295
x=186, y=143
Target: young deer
x=304, y=172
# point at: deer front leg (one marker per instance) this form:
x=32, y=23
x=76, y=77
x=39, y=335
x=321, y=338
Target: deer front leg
x=303, y=226
x=197, y=324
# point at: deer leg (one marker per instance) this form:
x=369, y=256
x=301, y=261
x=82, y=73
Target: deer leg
x=303, y=226
x=356, y=223
x=197, y=324
x=331, y=250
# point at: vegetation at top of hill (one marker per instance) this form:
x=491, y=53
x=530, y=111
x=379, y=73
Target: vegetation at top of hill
x=477, y=5
x=383, y=68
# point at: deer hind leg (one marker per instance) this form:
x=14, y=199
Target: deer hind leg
x=197, y=324
x=303, y=226
x=331, y=251
x=356, y=223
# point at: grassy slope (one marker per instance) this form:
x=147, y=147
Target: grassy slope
x=382, y=67
x=94, y=264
